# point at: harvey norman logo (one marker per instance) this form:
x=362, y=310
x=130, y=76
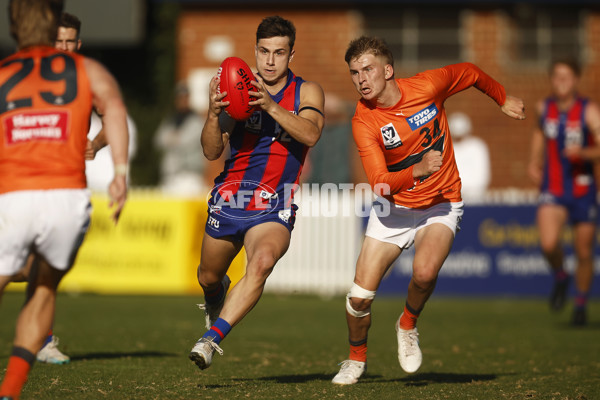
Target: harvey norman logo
x=36, y=125
x=422, y=117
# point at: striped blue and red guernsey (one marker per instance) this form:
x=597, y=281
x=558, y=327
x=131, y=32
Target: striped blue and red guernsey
x=265, y=162
x=563, y=177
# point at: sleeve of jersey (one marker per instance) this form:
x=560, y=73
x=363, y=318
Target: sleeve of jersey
x=381, y=180
x=458, y=77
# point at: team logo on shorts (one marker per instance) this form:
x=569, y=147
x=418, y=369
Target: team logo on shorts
x=212, y=221
x=391, y=140
x=546, y=198
x=285, y=215
x=214, y=209
x=243, y=199
x=264, y=194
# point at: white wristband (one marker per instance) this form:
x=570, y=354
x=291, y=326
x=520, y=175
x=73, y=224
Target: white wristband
x=121, y=169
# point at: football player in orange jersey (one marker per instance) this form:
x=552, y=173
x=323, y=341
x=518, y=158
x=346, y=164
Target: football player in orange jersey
x=45, y=107
x=67, y=39
x=401, y=132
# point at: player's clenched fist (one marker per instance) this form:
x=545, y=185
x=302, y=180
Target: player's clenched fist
x=431, y=162
x=514, y=107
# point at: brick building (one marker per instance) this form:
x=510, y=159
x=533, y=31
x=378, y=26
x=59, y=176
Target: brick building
x=513, y=42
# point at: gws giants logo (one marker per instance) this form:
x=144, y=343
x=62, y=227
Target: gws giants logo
x=391, y=140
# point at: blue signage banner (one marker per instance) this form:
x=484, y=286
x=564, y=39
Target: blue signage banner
x=496, y=252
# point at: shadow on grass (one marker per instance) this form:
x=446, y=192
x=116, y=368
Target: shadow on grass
x=109, y=356
x=427, y=378
x=283, y=379
x=422, y=379
x=291, y=378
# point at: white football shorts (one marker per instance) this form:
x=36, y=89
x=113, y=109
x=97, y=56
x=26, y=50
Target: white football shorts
x=51, y=222
x=398, y=225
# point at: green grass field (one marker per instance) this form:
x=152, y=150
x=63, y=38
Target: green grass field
x=136, y=347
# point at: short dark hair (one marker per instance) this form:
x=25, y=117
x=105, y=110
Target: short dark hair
x=276, y=26
x=70, y=21
x=366, y=44
x=570, y=62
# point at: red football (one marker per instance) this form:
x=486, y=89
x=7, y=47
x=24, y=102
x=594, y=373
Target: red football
x=235, y=77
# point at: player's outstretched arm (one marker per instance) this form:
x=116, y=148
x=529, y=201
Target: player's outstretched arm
x=514, y=107
x=454, y=78
x=213, y=140
x=305, y=127
x=107, y=100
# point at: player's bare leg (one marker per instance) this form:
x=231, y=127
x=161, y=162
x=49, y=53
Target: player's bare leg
x=584, y=236
x=374, y=260
x=583, y=242
x=33, y=324
x=35, y=319
x=23, y=274
x=265, y=244
x=432, y=246
x=4, y=280
x=49, y=352
x=217, y=255
x=551, y=220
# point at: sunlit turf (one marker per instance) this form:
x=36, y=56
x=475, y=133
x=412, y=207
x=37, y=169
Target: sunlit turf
x=288, y=347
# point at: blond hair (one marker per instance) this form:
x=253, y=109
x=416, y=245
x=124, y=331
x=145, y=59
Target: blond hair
x=34, y=22
x=366, y=44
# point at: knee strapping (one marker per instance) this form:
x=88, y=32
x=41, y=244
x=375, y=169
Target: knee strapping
x=359, y=293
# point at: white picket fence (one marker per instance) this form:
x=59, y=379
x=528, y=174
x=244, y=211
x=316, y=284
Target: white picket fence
x=329, y=232
x=324, y=247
